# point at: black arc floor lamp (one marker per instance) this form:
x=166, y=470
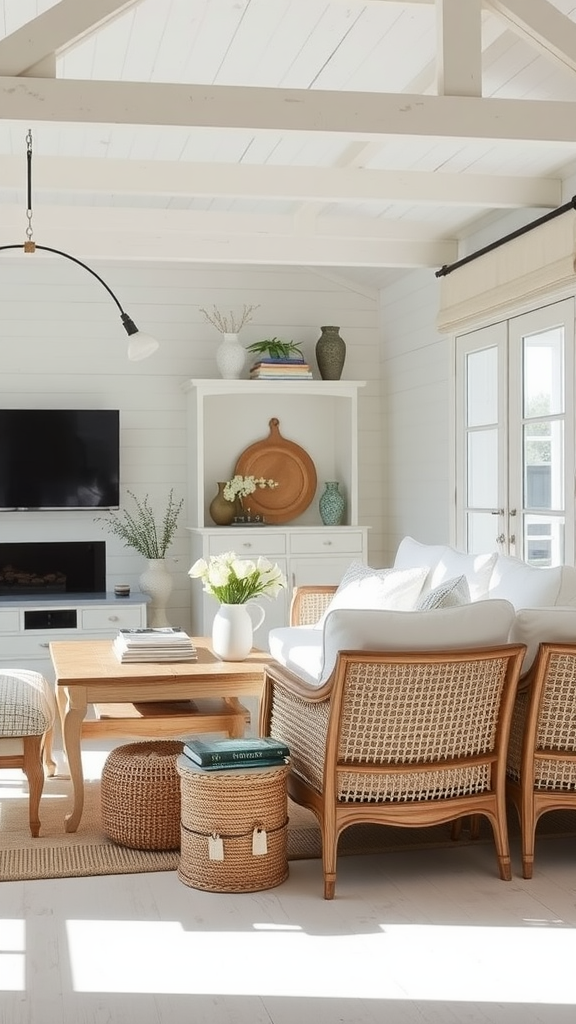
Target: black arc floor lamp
x=140, y=345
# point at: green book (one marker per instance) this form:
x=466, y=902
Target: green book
x=263, y=762
x=236, y=752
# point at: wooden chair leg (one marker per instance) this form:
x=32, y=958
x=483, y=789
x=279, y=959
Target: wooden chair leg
x=329, y=854
x=34, y=772
x=528, y=832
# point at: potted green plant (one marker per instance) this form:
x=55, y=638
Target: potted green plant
x=274, y=348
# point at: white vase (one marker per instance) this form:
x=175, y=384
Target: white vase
x=157, y=582
x=230, y=357
x=233, y=630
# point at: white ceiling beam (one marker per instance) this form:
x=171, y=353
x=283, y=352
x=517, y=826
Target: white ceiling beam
x=55, y=30
x=301, y=184
x=459, y=48
x=203, y=236
x=542, y=25
x=352, y=114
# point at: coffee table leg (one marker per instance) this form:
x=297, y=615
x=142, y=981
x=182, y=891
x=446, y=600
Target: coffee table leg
x=71, y=735
x=238, y=728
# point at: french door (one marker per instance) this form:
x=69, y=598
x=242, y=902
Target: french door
x=514, y=437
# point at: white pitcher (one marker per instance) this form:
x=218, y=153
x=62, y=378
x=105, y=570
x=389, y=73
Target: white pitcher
x=233, y=630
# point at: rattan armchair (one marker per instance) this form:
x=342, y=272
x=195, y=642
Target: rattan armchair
x=397, y=738
x=542, y=749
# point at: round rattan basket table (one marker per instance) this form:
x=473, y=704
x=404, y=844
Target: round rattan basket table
x=140, y=795
x=234, y=827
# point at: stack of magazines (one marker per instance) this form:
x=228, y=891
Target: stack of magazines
x=258, y=752
x=162, y=644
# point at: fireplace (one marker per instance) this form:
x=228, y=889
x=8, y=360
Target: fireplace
x=53, y=567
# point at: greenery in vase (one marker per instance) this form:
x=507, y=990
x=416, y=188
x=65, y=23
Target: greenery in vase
x=276, y=349
x=139, y=529
x=233, y=580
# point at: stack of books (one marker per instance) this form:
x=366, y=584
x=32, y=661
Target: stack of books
x=279, y=369
x=259, y=752
x=162, y=644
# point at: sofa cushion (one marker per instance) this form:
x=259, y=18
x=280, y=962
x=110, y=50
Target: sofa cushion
x=312, y=653
x=525, y=586
x=298, y=648
x=533, y=626
x=445, y=562
x=451, y=594
x=364, y=587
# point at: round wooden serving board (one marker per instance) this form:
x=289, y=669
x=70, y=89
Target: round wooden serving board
x=275, y=458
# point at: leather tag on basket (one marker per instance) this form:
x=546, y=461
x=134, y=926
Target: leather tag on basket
x=259, y=842
x=215, y=847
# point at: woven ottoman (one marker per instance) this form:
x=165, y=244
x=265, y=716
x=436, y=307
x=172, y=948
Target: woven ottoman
x=234, y=828
x=140, y=795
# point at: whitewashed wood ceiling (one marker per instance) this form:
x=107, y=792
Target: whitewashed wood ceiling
x=364, y=135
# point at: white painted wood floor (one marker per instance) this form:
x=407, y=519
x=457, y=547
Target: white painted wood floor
x=425, y=937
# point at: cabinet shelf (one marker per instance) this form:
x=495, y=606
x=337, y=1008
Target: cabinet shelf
x=226, y=416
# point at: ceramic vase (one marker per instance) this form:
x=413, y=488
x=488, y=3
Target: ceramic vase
x=332, y=505
x=230, y=357
x=233, y=630
x=330, y=353
x=221, y=510
x=157, y=582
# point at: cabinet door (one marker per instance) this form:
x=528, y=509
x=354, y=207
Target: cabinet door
x=307, y=571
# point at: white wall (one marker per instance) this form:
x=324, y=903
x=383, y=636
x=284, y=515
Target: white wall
x=62, y=345
x=416, y=409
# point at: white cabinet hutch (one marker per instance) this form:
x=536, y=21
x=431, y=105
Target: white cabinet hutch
x=224, y=418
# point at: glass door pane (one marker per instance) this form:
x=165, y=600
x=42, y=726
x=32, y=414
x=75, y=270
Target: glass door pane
x=481, y=456
x=538, y=433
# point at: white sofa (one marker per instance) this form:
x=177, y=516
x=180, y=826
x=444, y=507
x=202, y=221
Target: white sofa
x=433, y=598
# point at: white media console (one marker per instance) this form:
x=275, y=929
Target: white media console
x=28, y=624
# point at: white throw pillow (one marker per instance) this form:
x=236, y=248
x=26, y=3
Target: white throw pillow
x=526, y=586
x=411, y=554
x=451, y=594
x=444, y=563
x=364, y=587
x=476, y=568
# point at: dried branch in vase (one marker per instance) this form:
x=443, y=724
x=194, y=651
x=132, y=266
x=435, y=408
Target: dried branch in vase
x=230, y=323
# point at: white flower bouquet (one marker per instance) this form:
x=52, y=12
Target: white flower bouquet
x=242, y=486
x=233, y=580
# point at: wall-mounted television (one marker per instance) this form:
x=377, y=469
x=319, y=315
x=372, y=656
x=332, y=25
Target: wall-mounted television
x=59, y=458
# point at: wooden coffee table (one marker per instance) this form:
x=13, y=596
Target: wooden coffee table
x=150, y=699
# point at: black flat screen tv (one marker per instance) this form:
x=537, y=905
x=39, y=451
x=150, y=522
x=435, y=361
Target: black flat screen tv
x=59, y=458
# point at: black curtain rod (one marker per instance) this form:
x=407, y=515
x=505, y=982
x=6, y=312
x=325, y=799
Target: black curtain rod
x=449, y=267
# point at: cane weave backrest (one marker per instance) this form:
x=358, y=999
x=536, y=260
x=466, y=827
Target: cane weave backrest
x=309, y=604
x=542, y=750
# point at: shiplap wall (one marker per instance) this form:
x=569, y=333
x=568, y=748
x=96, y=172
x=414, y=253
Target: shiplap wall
x=62, y=345
x=416, y=400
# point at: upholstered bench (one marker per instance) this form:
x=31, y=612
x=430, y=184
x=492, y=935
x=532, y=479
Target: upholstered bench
x=27, y=709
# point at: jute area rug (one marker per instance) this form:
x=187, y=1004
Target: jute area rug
x=57, y=854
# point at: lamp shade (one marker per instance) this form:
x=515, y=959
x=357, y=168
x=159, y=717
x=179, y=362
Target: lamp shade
x=141, y=345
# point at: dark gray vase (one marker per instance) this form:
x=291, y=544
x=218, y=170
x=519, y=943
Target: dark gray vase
x=330, y=353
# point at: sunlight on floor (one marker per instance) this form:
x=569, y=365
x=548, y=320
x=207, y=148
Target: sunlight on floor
x=12, y=956
x=486, y=964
